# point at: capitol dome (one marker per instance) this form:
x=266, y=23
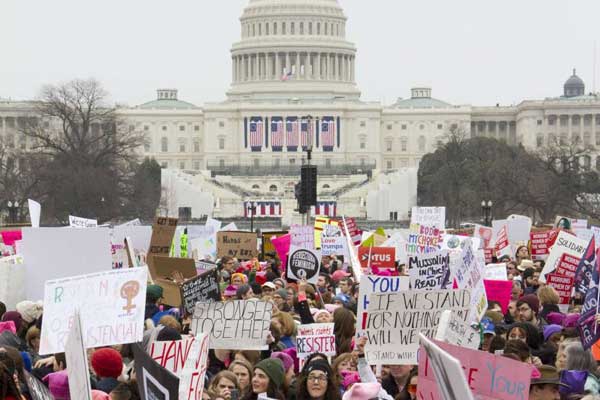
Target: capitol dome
x=293, y=49
x=574, y=86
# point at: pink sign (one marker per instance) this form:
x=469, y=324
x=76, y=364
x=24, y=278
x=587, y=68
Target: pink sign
x=490, y=377
x=9, y=237
x=498, y=291
x=282, y=247
x=563, y=286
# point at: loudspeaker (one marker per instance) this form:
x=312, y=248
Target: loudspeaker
x=308, y=181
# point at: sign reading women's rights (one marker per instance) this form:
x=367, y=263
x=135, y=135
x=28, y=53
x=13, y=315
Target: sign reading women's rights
x=303, y=264
x=429, y=271
x=315, y=338
x=234, y=325
x=370, y=284
x=394, y=321
x=111, y=304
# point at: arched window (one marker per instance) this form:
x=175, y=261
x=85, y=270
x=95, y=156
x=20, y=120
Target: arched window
x=267, y=29
x=302, y=28
x=292, y=28
x=259, y=29
x=421, y=143
x=283, y=28
x=273, y=188
x=326, y=25
x=253, y=29
x=318, y=28
x=274, y=28
x=164, y=144
x=326, y=186
x=310, y=31
x=255, y=187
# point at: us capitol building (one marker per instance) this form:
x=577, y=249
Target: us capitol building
x=293, y=88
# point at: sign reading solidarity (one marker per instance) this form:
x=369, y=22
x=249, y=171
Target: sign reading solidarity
x=381, y=257
x=304, y=264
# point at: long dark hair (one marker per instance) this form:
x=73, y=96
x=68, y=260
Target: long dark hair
x=272, y=392
x=332, y=392
x=343, y=327
x=8, y=387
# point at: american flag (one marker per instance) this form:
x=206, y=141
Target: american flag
x=256, y=133
x=263, y=208
x=326, y=208
x=328, y=133
x=277, y=135
x=292, y=133
x=306, y=133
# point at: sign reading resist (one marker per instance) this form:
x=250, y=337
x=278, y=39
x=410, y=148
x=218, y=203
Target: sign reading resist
x=304, y=264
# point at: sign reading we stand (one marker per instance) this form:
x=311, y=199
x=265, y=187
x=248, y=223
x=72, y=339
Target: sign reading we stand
x=381, y=257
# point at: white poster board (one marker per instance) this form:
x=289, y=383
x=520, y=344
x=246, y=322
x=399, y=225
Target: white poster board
x=53, y=253
x=429, y=216
x=334, y=245
x=565, y=244
x=454, y=330
x=35, y=213
x=191, y=377
x=111, y=304
x=12, y=282
x=78, y=222
x=495, y=272
x=398, y=242
x=76, y=357
x=315, y=338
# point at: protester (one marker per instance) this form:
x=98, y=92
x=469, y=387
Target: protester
x=268, y=378
x=317, y=382
x=107, y=365
x=546, y=387
x=223, y=384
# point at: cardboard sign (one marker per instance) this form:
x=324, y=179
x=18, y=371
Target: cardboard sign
x=154, y=381
x=241, y=245
x=495, y=272
x=163, y=231
x=303, y=264
x=499, y=291
x=315, y=338
x=539, y=245
x=519, y=228
x=469, y=275
x=78, y=222
x=76, y=357
x=424, y=239
x=370, y=284
x=565, y=244
x=203, y=288
x=334, y=245
x=567, y=266
x=37, y=390
x=303, y=236
x=455, y=331
x=430, y=271
x=267, y=245
x=449, y=377
x=483, y=233
x=164, y=267
x=489, y=377
x=429, y=216
x=234, y=325
x=35, y=212
x=395, y=319
x=381, y=257
x=563, y=286
x=111, y=304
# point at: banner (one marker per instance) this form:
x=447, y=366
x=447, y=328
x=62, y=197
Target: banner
x=495, y=272
x=202, y=288
x=315, y=338
x=381, y=257
x=154, y=382
x=241, y=245
x=76, y=357
x=334, y=245
x=489, y=377
x=429, y=216
x=395, y=319
x=303, y=264
x=111, y=305
x=539, y=245
x=455, y=331
x=565, y=244
x=234, y=325
x=370, y=284
x=430, y=271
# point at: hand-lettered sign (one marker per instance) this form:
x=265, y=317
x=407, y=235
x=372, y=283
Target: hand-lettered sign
x=241, y=245
x=204, y=287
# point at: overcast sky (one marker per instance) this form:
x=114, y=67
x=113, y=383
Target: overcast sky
x=477, y=52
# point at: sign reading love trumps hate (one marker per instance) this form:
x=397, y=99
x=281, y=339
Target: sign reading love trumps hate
x=234, y=325
x=394, y=321
x=315, y=338
x=111, y=305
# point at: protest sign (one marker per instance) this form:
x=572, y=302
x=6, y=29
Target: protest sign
x=350, y=229
x=133, y=222
x=454, y=330
x=204, y=287
x=588, y=330
x=395, y=319
x=496, y=272
x=469, y=275
x=397, y=241
x=484, y=234
x=584, y=274
x=37, y=390
x=76, y=357
x=518, y=229
x=319, y=227
x=567, y=265
x=230, y=227
x=241, y=245
x=234, y=325
x=488, y=254
x=374, y=239
x=154, y=382
x=267, y=245
x=370, y=284
x=119, y=256
x=565, y=244
x=455, y=243
x=563, y=285
x=429, y=216
x=303, y=264
x=429, y=271
x=449, y=377
x=53, y=253
x=334, y=245
x=282, y=246
x=111, y=304
x=35, y=213
x=499, y=291
x=12, y=281
x=423, y=239
x=539, y=245
x=303, y=236
x=163, y=231
x=315, y=338
x=9, y=237
x=489, y=377
x=380, y=257
x=138, y=237
x=502, y=246
x=78, y=222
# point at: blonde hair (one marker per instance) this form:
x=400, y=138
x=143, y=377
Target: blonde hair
x=548, y=295
x=288, y=326
x=170, y=322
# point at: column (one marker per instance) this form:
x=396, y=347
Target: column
x=278, y=72
x=256, y=66
x=342, y=68
x=269, y=67
x=353, y=66
x=309, y=67
x=318, y=66
x=348, y=65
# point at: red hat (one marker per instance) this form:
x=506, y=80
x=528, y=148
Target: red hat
x=107, y=363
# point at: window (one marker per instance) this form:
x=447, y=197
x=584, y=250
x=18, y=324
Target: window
x=182, y=147
x=327, y=163
x=197, y=128
x=147, y=144
x=196, y=146
x=403, y=144
x=363, y=144
x=267, y=29
x=389, y=164
x=10, y=122
x=597, y=138
x=421, y=143
x=421, y=127
x=196, y=165
x=403, y=127
x=388, y=145
x=256, y=162
x=302, y=28
x=292, y=28
x=277, y=162
x=440, y=126
x=181, y=128
x=575, y=120
x=326, y=186
x=273, y=188
x=164, y=128
x=564, y=120
x=181, y=164
x=253, y=30
x=310, y=31
x=540, y=140
x=292, y=161
x=146, y=128
x=221, y=143
x=539, y=122
x=255, y=187
x=325, y=26
x=275, y=28
x=597, y=119
x=586, y=139
x=318, y=28
x=221, y=124
x=221, y=163
x=389, y=127
x=164, y=144
x=164, y=164
x=551, y=120
x=283, y=28
x=363, y=124
x=587, y=161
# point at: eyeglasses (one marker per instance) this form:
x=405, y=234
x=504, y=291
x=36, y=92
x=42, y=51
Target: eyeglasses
x=317, y=378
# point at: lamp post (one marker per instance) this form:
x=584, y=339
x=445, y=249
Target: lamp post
x=252, y=210
x=486, y=212
x=13, y=207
